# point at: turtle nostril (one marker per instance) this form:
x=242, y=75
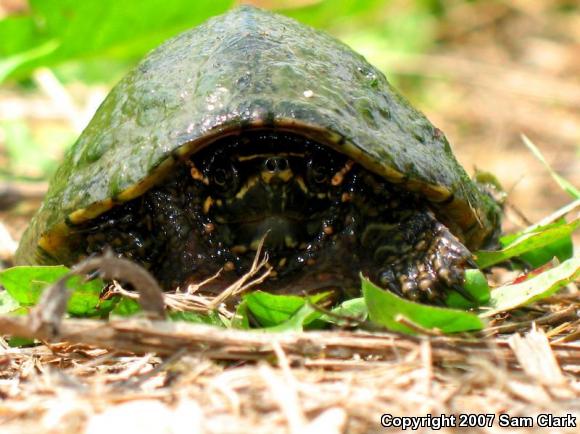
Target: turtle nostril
x=276, y=164
x=271, y=165
x=282, y=164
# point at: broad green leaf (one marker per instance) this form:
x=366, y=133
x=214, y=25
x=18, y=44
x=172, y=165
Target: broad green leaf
x=126, y=307
x=105, y=28
x=26, y=283
x=557, y=215
x=528, y=241
x=302, y=317
x=385, y=308
x=272, y=309
x=355, y=308
x=563, y=183
x=562, y=249
x=476, y=286
x=511, y=296
x=24, y=35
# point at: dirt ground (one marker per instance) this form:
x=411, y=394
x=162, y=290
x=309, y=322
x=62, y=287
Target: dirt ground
x=503, y=71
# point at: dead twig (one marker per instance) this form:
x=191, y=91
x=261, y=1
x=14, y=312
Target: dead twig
x=46, y=316
x=165, y=338
x=568, y=313
x=13, y=193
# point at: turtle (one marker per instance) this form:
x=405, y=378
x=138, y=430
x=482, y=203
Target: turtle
x=254, y=131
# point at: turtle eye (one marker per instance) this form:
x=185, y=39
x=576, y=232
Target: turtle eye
x=220, y=177
x=317, y=172
x=224, y=176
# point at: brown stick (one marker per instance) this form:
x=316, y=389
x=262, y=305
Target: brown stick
x=45, y=318
x=165, y=338
x=14, y=193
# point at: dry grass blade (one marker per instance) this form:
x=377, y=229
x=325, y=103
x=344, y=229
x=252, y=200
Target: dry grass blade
x=244, y=283
x=568, y=313
x=536, y=357
x=190, y=301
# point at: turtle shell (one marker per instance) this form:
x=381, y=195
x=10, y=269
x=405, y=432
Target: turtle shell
x=249, y=69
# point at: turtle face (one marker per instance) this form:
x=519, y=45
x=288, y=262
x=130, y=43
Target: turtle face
x=282, y=189
x=268, y=188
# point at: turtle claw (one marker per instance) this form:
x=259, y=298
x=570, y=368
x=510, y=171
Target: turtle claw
x=430, y=261
x=472, y=264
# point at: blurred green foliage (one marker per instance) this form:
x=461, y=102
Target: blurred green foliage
x=72, y=29
x=57, y=31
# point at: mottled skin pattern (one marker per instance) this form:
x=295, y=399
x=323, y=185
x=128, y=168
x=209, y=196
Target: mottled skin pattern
x=324, y=219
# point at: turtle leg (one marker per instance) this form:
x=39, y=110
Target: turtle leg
x=120, y=232
x=417, y=257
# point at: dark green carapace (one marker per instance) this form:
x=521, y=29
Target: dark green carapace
x=253, y=126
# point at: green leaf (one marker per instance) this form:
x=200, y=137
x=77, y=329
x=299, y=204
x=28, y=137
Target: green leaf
x=511, y=296
x=270, y=309
x=385, y=308
x=126, y=307
x=212, y=318
x=475, y=285
x=26, y=283
x=273, y=309
x=563, y=183
x=355, y=308
x=17, y=342
x=241, y=319
x=528, y=241
x=562, y=249
x=303, y=316
x=105, y=28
